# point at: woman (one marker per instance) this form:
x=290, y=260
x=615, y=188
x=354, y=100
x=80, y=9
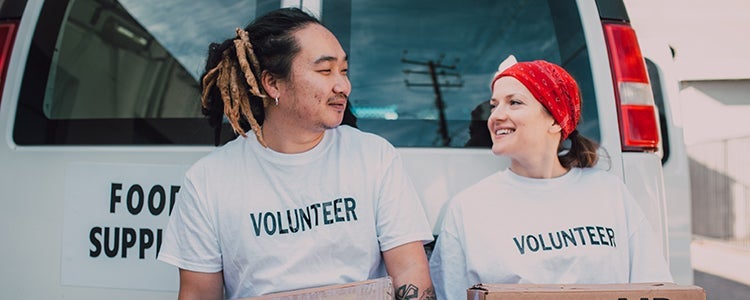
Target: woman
x=551, y=217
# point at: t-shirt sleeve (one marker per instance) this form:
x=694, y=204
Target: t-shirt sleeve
x=190, y=241
x=448, y=263
x=400, y=216
x=647, y=263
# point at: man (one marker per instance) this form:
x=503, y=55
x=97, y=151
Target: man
x=303, y=202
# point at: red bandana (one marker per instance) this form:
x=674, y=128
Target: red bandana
x=552, y=86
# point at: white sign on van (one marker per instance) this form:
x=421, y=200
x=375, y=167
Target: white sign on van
x=114, y=221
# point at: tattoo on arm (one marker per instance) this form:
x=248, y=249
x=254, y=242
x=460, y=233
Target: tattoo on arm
x=410, y=291
x=429, y=294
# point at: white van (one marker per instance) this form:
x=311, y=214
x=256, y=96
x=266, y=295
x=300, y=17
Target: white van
x=100, y=117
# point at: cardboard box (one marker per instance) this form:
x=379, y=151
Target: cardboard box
x=377, y=289
x=634, y=291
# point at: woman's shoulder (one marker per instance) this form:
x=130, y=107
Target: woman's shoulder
x=481, y=190
x=599, y=179
x=598, y=174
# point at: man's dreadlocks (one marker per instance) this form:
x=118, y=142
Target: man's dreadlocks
x=233, y=93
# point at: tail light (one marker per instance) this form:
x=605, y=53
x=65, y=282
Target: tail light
x=639, y=127
x=7, y=36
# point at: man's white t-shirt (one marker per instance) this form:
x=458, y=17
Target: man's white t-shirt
x=274, y=222
x=582, y=227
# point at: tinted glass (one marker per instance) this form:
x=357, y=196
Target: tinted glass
x=655, y=79
x=421, y=69
x=122, y=73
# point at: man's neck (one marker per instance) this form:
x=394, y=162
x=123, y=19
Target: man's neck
x=290, y=141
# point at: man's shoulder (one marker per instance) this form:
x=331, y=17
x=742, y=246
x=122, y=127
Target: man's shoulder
x=352, y=132
x=354, y=136
x=222, y=156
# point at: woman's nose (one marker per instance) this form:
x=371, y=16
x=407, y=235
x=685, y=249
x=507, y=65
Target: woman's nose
x=498, y=113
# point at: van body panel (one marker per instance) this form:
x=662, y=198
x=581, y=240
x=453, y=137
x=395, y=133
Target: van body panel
x=674, y=160
x=36, y=217
x=647, y=189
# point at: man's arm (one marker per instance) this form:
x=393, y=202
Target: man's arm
x=197, y=285
x=407, y=266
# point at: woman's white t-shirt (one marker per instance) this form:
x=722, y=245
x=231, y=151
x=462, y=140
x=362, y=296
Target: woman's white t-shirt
x=582, y=227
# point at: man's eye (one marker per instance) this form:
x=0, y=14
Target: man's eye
x=325, y=71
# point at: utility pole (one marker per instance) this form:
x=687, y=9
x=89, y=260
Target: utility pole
x=434, y=70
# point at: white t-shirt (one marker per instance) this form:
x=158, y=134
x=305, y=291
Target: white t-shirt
x=274, y=222
x=582, y=227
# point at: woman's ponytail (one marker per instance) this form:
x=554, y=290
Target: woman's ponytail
x=582, y=152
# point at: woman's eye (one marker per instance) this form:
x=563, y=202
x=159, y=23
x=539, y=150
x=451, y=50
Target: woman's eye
x=514, y=102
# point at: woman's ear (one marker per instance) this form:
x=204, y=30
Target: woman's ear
x=555, y=128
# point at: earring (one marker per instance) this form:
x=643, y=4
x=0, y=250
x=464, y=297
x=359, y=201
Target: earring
x=276, y=101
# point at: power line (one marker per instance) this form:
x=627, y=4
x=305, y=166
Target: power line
x=436, y=70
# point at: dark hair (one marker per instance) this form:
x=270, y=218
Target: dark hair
x=231, y=80
x=479, y=134
x=582, y=152
x=271, y=36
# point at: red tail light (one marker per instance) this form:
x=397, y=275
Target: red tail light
x=639, y=127
x=7, y=36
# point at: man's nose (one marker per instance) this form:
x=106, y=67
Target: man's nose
x=342, y=85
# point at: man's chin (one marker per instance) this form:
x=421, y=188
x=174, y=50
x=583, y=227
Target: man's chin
x=332, y=125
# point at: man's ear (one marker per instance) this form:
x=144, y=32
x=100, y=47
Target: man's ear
x=270, y=84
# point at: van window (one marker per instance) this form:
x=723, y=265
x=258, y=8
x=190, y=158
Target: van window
x=126, y=73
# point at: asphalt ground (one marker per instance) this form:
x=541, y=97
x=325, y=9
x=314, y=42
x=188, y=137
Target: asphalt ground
x=721, y=269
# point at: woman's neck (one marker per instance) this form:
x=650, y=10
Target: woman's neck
x=541, y=167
